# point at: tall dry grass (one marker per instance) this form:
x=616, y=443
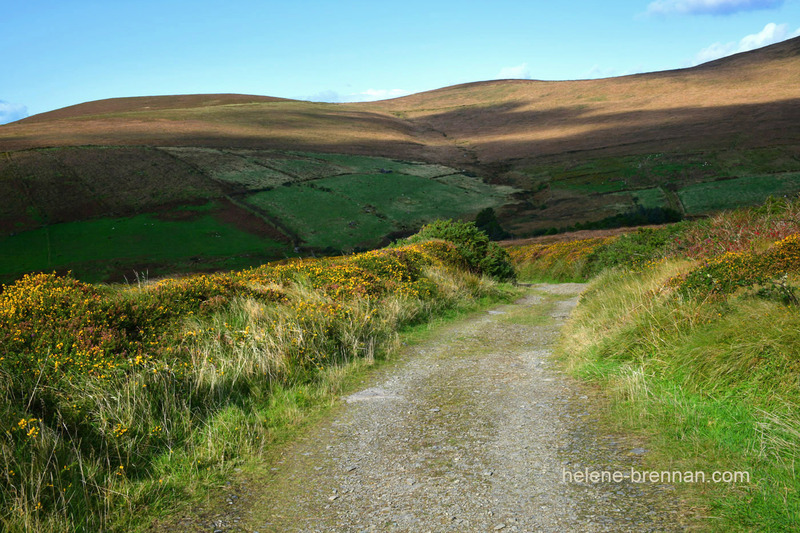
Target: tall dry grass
x=121, y=401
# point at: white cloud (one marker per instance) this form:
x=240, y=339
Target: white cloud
x=10, y=112
x=709, y=7
x=379, y=94
x=325, y=96
x=370, y=95
x=772, y=33
x=519, y=72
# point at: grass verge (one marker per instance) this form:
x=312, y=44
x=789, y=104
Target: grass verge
x=711, y=381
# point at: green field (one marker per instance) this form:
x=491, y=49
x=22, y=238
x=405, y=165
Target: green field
x=650, y=198
x=610, y=174
x=367, y=165
x=76, y=210
x=727, y=194
x=107, y=248
x=359, y=210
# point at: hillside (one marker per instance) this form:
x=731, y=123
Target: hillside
x=570, y=152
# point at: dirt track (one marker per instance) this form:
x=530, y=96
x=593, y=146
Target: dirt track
x=474, y=429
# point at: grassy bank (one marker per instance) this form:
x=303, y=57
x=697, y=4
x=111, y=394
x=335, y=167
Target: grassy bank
x=119, y=402
x=713, y=382
x=692, y=330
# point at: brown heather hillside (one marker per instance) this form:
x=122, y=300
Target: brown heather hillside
x=694, y=140
x=148, y=103
x=750, y=99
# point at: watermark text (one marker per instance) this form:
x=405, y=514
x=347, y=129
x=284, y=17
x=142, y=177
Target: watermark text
x=652, y=476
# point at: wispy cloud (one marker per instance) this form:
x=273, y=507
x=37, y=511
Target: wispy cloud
x=10, y=112
x=519, y=72
x=709, y=7
x=325, y=96
x=379, y=94
x=771, y=34
x=600, y=72
x=370, y=95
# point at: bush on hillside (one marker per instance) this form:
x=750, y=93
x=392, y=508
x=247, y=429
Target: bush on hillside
x=473, y=245
x=486, y=221
x=558, y=261
x=726, y=273
x=632, y=249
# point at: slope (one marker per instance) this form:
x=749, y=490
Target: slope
x=572, y=152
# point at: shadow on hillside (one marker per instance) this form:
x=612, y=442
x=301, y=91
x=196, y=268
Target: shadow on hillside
x=511, y=132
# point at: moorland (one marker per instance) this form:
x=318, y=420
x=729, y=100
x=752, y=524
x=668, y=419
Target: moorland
x=125, y=401
x=236, y=171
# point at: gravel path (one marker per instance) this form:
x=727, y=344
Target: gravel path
x=472, y=430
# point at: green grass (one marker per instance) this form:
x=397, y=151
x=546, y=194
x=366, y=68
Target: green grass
x=593, y=184
x=96, y=247
x=346, y=202
x=728, y=194
x=713, y=384
x=616, y=174
x=358, y=164
x=257, y=178
x=742, y=163
x=306, y=168
x=359, y=210
x=410, y=200
x=322, y=218
x=650, y=198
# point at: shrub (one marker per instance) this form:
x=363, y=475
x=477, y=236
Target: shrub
x=560, y=261
x=136, y=391
x=478, y=253
x=730, y=271
x=632, y=249
x=486, y=221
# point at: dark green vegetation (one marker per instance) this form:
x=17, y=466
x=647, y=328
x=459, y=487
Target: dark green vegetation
x=728, y=194
x=193, y=209
x=659, y=188
x=123, y=402
x=692, y=330
x=480, y=255
x=358, y=210
x=339, y=177
x=187, y=239
x=487, y=222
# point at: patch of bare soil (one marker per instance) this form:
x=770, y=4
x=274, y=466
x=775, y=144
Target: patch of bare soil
x=249, y=222
x=474, y=429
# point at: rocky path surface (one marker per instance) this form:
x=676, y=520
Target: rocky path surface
x=475, y=429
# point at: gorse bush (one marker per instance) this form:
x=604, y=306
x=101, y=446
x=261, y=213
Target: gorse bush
x=730, y=271
x=743, y=230
x=478, y=253
x=738, y=231
x=632, y=250
x=112, y=397
x=560, y=261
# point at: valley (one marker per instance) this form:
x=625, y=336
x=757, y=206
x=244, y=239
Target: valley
x=289, y=177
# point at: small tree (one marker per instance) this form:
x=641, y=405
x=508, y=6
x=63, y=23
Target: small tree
x=486, y=221
x=479, y=254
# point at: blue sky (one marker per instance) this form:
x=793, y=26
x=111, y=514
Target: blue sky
x=64, y=52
